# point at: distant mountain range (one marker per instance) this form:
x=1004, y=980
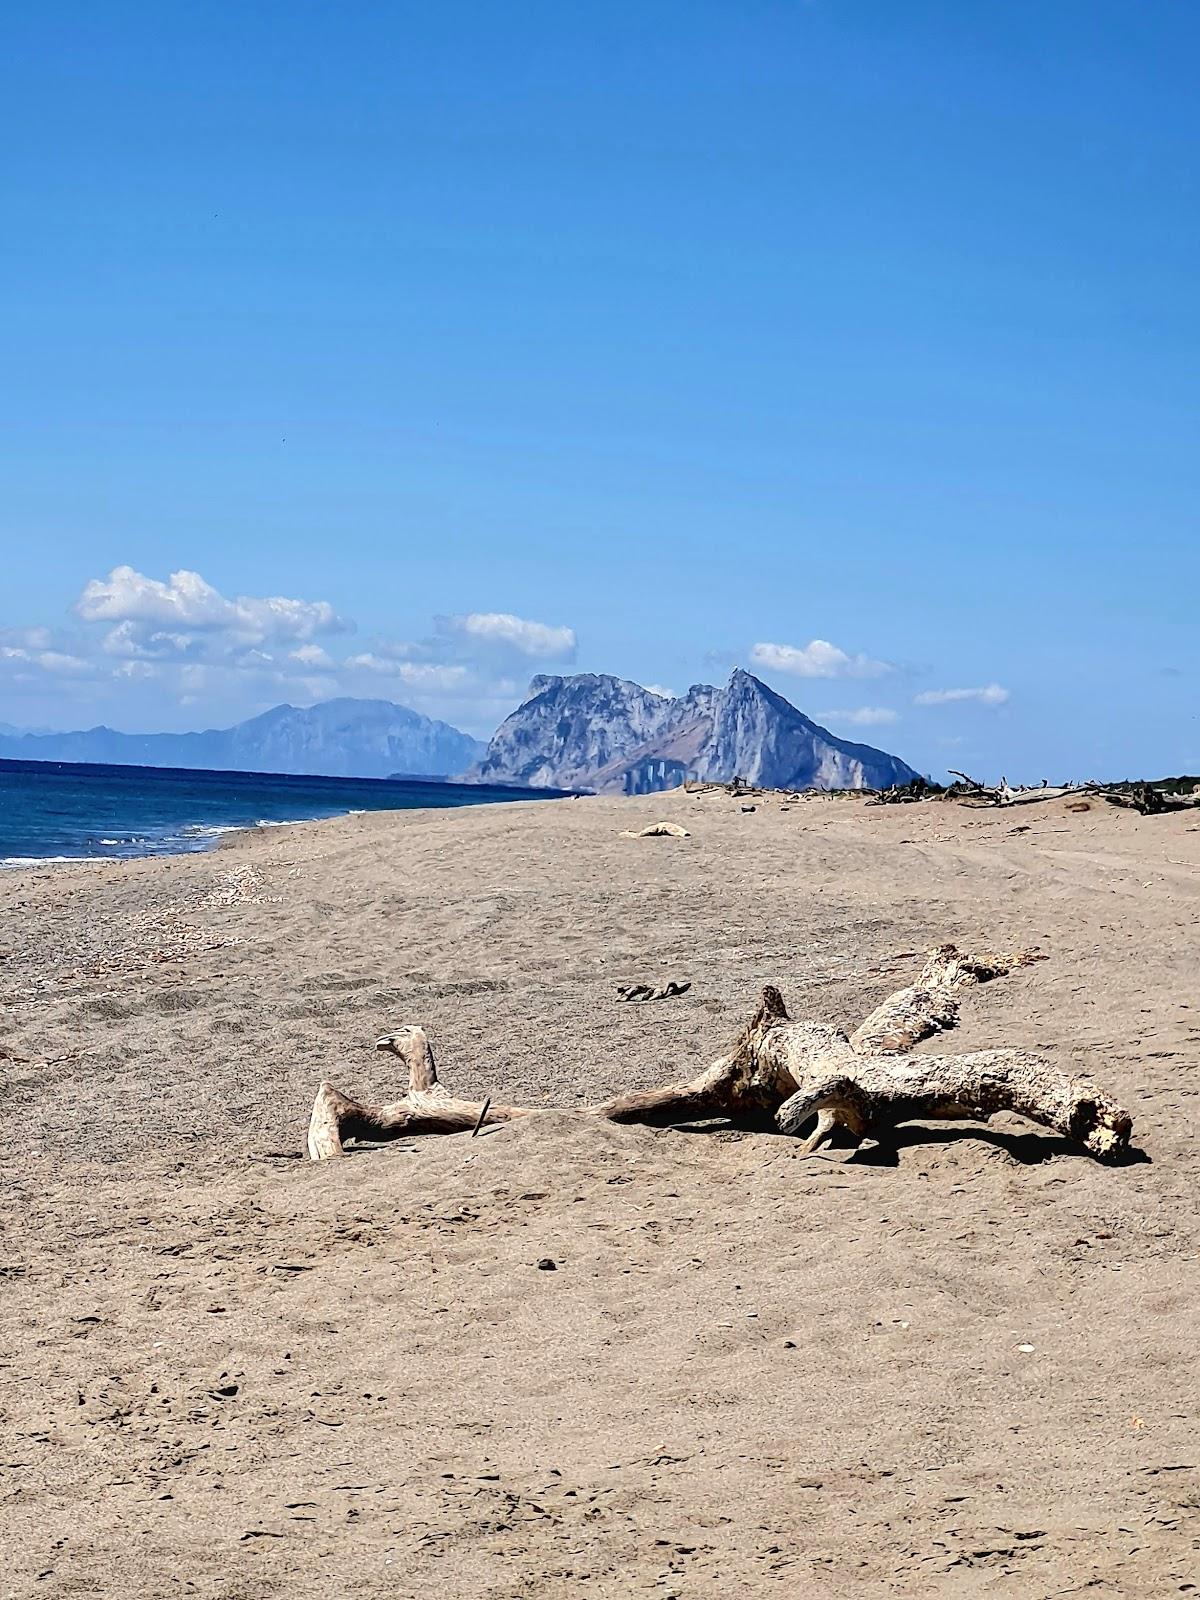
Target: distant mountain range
x=339, y=738
x=584, y=732
x=613, y=736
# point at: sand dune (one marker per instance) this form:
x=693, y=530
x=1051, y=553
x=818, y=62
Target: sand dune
x=962, y=1365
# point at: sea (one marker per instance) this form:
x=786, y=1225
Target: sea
x=68, y=811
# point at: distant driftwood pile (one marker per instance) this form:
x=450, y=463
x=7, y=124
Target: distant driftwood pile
x=740, y=789
x=1151, y=799
x=797, y=1076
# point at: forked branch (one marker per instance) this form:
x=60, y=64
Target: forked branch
x=426, y=1108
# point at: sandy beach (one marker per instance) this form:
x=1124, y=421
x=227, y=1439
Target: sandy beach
x=964, y=1363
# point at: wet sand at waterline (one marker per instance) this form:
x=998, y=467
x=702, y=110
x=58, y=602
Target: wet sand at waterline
x=962, y=1364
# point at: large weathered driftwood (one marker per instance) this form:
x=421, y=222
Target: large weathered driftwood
x=805, y=1077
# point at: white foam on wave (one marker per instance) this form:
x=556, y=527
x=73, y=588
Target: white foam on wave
x=46, y=861
x=171, y=841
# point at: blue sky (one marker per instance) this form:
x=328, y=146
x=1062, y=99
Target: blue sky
x=644, y=338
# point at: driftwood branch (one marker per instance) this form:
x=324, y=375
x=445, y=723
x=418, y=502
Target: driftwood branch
x=806, y=1078
x=876, y=1094
x=426, y=1108
x=930, y=1005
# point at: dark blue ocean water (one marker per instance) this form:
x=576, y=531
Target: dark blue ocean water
x=60, y=811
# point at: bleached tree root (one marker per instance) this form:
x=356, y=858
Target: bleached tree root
x=793, y=1074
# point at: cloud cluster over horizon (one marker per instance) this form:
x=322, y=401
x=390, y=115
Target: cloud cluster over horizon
x=821, y=659
x=144, y=653
x=187, y=643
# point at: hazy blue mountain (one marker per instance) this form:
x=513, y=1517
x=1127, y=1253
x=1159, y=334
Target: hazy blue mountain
x=608, y=734
x=338, y=738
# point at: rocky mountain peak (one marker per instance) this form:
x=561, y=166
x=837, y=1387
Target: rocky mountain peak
x=591, y=731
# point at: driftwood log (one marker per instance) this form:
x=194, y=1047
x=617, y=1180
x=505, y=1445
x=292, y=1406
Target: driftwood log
x=805, y=1078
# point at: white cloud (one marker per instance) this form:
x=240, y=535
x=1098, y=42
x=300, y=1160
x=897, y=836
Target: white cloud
x=404, y=649
x=817, y=659
x=538, y=640
x=417, y=673
x=138, y=671
x=991, y=695
x=657, y=688
x=861, y=716
x=63, y=665
x=27, y=638
x=56, y=662
x=311, y=655
x=186, y=603
x=123, y=641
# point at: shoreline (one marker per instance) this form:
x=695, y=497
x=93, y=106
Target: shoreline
x=58, y=813
x=213, y=837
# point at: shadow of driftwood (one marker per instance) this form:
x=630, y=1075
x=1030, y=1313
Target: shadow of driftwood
x=883, y=1149
x=1030, y=1149
x=880, y=1149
